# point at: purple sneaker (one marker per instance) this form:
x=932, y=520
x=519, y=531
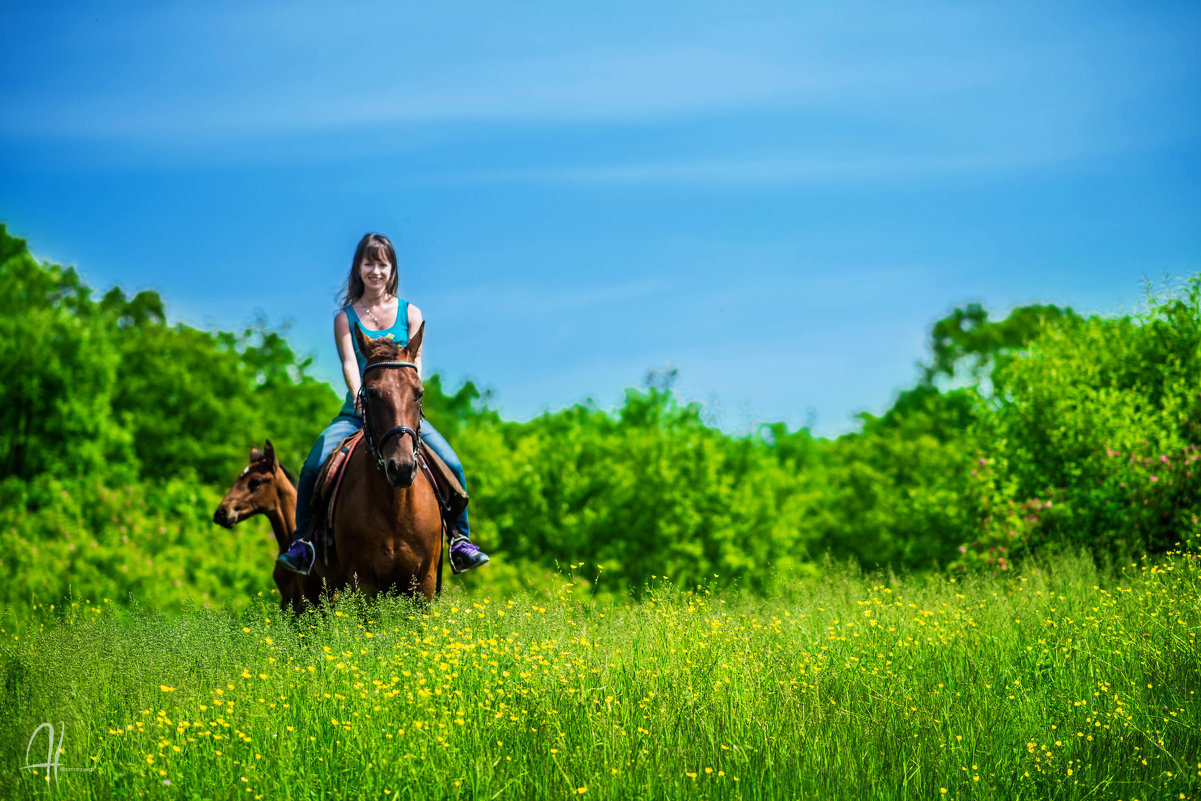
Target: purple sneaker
x=465, y=554
x=299, y=557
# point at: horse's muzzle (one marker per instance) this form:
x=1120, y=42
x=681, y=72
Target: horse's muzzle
x=400, y=472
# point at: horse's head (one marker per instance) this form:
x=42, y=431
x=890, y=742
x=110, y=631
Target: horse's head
x=390, y=397
x=254, y=490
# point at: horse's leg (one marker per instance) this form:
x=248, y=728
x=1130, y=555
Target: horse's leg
x=420, y=542
x=428, y=585
x=295, y=605
x=310, y=590
x=365, y=585
x=285, y=585
x=429, y=521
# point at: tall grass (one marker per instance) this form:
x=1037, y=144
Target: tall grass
x=1055, y=683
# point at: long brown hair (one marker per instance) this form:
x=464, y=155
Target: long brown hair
x=375, y=246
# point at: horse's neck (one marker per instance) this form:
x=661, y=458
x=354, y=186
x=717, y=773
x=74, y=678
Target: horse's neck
x=283, y=514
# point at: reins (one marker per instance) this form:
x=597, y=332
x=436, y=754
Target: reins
x=375, y=447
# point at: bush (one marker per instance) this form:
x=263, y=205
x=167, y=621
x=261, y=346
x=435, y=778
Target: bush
x=1098, y=422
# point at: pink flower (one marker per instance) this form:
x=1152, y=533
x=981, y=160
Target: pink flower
x=1155, y=478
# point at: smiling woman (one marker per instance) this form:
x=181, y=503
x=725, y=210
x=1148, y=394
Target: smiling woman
x=371, y=292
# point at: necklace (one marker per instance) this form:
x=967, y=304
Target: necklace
x=366, y=310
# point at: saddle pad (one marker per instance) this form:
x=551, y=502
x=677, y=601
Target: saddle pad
x=451, y=493
x=330, y=478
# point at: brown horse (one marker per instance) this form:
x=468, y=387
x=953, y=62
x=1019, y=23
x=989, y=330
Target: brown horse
x=387, y=524
x=264, y=488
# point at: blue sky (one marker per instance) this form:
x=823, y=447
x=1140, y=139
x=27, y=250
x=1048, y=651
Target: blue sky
x=777, y=199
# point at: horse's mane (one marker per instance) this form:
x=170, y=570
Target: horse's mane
x=289, y=475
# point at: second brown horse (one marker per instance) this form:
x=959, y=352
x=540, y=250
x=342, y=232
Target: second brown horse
x=264, y=488
x=387, y=523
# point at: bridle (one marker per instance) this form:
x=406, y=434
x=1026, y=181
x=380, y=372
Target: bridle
x=375, y=447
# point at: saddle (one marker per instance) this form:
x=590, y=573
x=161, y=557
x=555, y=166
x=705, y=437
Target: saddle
x=452, y=497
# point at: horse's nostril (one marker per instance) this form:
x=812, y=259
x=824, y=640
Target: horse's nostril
x=397, y=475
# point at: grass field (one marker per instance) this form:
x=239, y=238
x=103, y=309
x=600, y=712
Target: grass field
x=1054, y=683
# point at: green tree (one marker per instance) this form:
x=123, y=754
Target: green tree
x=59, y=371
x=967, y=345
x=1094, y=439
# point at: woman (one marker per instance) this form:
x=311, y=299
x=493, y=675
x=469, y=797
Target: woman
x=370, y=302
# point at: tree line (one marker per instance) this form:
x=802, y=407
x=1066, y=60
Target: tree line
x=1041, y=430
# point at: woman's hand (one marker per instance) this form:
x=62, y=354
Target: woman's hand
x=358, y=404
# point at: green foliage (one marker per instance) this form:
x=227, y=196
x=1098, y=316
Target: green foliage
x=967, y=344
x=118, y=435
x=891, y=494
x=651, y=491
x=156, y=541
x=59, y=369
x=1099, y=422
x=118, y=432
x=109, y=388
x=452, y=413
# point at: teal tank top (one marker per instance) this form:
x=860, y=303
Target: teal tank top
x=399, y=333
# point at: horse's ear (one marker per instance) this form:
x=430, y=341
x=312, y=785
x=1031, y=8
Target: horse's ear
x=414, y=346
x=360, y=339
x=269, y=453
x=255, y=454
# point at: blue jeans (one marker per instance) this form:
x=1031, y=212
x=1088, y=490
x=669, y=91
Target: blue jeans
x=342, y=427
